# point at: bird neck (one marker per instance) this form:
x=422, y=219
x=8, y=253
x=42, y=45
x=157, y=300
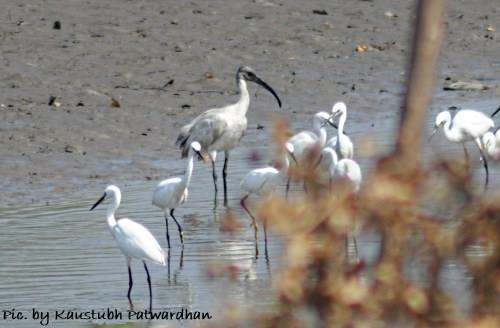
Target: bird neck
x=450, y=133
x=340, y=130
x=244, y=101
x=322, y=136
x=110, y=214
x=286, y=165
x=189, y=170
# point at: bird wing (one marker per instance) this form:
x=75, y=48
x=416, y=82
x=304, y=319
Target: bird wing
x=167, y=194
x=206, y=129
x=137, y=241
x=255, y=180
x=473, y=122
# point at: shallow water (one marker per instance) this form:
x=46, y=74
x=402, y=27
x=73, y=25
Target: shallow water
x=63, y=257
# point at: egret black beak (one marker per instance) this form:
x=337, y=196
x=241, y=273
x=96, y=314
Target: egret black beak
x=293, y=157
x=98, y=202
x=319, y=161
x=433, y=133
x=268, y=88
x=200, y=156
x=495, y=112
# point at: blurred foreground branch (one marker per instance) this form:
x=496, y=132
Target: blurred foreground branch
x=426, y=45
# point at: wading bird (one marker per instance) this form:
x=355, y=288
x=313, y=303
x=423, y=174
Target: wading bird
x=306, y=142
x=341, y=142
x=491, y=144
x=263, y=181
x=345, y=169
x=466, y=125
x=171, y=193
x=133, y=239
x=221, y=129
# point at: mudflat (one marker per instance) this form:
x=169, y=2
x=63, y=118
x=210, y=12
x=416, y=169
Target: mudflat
x=93, y=92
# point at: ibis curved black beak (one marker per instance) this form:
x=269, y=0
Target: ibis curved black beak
x=495, y=112
x=268, y=88
x=98, y=202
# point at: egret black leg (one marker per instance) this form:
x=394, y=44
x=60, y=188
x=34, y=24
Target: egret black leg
x=168, y=236
x=130, y=283
x=265, y=242
x=224, y=176
x=254, y=223
x=181, y=234
x=149, y=284
x=355, y=247
x=168, y=266
x=214, y=176
x=485, y=163
x=287, y=187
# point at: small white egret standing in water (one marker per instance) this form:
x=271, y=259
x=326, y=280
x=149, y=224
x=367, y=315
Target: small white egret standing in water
x=345, y=169
x=263, y=181
x=491, y=144
x=133, y=239
x=171, y=193
x=466, y=125
x=305, y=142
x=341, y=142
x=221, y=129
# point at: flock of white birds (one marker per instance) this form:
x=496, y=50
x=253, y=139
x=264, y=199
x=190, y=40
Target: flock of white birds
x=221, y=129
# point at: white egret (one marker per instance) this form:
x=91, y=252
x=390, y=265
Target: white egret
x=491, y=144
x=263, y=181
x=341, y=142
x=221, y=129
x=466, y=125
x=345, y=168
x=172, y=192
x=133, y=239
x=305, y=142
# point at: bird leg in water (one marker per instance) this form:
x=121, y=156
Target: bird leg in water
x=224, y=176
x=130, y=282
x=254, y=223
x=355, y=247
x=287, y=187
x=168, y=265
x=168, y=236
x=214, y=176
x=485, y=163
x=181, y=234
x=149, y=284
x=265, y=241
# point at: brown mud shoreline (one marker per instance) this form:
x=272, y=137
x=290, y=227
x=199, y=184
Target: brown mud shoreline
x=167, y=61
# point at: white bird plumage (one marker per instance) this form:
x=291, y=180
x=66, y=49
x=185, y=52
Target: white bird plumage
x=344, y=148
x=305, y=142
x=221, y=129
x=133, y=239
x=171, y=193
x=346, y=168
x=263, y=181
x=491, y=144
x=466, y=125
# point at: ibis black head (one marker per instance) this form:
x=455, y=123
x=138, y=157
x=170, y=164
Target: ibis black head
x=246, y=73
